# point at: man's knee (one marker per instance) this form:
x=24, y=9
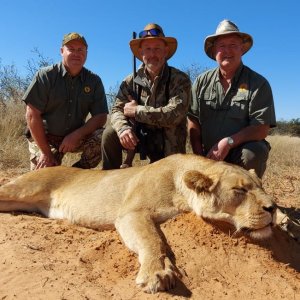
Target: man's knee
x=111, y=149
x=91, y=151
x=35, y=154
x=252, y=155
x=109, y=136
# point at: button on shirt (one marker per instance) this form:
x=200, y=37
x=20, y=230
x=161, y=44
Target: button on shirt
x=65, y=101
x=248, y=101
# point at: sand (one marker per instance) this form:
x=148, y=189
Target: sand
x=51, y=259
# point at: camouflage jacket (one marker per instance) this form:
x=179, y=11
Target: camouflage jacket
x=154, y=110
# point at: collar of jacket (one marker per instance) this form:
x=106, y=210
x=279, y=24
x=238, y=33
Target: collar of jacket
x=141, y=77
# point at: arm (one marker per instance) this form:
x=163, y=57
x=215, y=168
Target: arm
x=98, y=111
x=193, y=120
x=261, y=118
x=73, y=140
x=35, y=125
x=120, y=119
x=250, y=133
x=194, y=131
x=176, y=108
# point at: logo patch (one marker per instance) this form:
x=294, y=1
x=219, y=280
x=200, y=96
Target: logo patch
x=243, y=87
x=87, y=89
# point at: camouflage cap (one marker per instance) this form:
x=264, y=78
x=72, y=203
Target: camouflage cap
x=74, y=36
x=226, y=27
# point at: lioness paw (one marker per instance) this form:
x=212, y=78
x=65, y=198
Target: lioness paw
x=163, y=280
x=154, y=278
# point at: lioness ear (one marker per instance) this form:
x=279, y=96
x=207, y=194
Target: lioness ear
x=198, y=182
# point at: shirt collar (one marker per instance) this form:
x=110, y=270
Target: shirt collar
x=142, y=77
x=64, y=71
x=236, y=76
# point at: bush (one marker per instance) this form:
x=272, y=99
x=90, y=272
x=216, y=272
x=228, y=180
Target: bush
x=291, y=128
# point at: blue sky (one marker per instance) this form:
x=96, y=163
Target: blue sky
x=108, y=27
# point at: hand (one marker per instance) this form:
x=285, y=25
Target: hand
x=219, y=151
x=71, y=142
x=130, y=108
x=45, y=161
x=128, y=139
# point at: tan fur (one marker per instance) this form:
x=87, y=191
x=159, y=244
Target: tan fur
x=135, y=200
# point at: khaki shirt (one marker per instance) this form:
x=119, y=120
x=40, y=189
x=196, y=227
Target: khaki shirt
x=248, y=101
x=154, y=110
x=64, y=101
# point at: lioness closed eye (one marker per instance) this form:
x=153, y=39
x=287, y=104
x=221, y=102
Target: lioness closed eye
x=135, y=199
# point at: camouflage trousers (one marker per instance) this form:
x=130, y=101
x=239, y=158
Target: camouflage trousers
x=90, y=148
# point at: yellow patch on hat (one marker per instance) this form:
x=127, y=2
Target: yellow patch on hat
x=243, y=87
x=87, y=89
x=74, y=36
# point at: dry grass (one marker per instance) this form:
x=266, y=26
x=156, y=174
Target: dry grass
x=282, y=177
x=13, y=146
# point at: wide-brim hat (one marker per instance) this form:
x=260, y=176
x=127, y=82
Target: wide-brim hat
x=74, y=36
x=226, y=27
x=153, y=31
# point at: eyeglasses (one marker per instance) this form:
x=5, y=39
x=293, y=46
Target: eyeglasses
x=150, y=32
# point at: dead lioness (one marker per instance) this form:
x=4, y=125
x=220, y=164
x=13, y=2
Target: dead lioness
x=134, y=200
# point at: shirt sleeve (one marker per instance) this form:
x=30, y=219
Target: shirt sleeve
x=261, y=106
x=37, y=94
x=118, y=121
x=99, y=105
x=194, y=108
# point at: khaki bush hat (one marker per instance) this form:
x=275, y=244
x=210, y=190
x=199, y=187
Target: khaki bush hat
x=152, y=31
x=73, y=36
x=226, y=27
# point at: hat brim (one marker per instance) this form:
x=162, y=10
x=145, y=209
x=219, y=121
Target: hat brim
x=170, y=41
x=210, y=40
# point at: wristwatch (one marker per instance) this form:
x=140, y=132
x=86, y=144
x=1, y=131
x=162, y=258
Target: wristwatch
x=230, y=141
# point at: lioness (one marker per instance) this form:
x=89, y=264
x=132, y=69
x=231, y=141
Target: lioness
x=135, y=200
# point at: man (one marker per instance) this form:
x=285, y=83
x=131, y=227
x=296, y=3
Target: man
x=58, y=101
x=152, y=115
x=232, y=106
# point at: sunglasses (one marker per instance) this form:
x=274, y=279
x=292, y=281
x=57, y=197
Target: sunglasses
x=150, y=32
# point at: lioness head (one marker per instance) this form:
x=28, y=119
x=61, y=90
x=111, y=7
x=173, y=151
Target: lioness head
x=231, y=194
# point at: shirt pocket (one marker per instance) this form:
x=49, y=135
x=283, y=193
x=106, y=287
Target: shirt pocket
x=208, y=107
x=239, y=107
x=85, y=101
x=56, y=102
x=210, y=101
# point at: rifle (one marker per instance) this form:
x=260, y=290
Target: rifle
x=138, y=127
x=134, y=68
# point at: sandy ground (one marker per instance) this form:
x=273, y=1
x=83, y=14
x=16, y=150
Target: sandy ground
x=49, y=259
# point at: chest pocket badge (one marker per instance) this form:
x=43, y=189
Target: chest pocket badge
x=87, y=89
x=243, y=88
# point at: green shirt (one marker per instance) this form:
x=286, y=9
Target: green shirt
x=248, y=101
x=64, y=101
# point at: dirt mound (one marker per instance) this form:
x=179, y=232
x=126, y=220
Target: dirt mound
x=51, y=259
